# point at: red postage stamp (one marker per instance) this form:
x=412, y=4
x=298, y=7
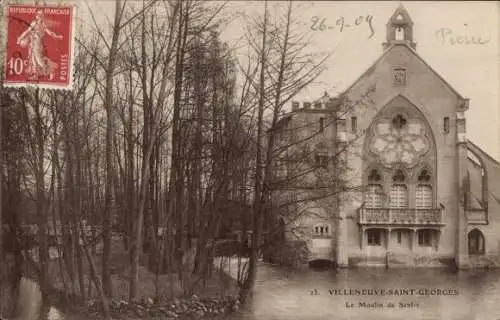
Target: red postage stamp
x=39, y=46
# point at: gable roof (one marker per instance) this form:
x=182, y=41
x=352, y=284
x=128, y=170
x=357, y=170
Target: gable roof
x=475, y=149
x=386, y=51
x=400, y=10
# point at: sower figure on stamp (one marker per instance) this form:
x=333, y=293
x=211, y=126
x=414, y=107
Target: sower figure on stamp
x=38, y=63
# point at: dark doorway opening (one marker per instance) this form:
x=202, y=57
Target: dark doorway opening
x=321, y=264
x=476, y=242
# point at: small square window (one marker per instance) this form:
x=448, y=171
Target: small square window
x=354, y=124
x=321, y=231
x=446, y=125
x=374, y=237
x=424, y=238
x=399, y=76
x=321, y=161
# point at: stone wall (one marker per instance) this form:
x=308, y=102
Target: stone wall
x=484, y=261
x=408, y=260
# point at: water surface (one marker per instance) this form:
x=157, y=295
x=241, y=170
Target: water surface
x=284, y=294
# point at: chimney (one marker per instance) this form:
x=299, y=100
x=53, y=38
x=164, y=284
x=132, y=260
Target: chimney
x=307, y=105
x=317, y=105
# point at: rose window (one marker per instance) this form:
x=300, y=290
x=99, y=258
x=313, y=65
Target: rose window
x=399, y=140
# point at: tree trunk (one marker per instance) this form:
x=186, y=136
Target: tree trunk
x=257, y=205
x=109, y=212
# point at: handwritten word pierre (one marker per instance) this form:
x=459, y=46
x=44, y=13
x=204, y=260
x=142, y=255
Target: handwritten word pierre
x=322, y=24
x=449, y=36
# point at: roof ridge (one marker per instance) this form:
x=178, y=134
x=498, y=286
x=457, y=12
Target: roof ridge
x=483, y=152
x=389, y=48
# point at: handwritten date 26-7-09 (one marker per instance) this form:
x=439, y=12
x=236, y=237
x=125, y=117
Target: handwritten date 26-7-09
x=322, y=24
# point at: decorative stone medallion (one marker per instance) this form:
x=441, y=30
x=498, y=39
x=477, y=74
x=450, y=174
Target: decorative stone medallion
x=399, y=76
x=399, y=140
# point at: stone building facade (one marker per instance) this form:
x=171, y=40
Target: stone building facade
x=393, y=180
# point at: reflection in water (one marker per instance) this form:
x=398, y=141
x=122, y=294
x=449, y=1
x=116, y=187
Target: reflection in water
x=282, y=294
x=29, y=302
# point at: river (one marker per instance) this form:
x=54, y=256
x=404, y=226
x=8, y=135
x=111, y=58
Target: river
x=313, y=294
x=300, y=295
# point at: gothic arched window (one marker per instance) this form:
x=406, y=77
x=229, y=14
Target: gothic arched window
x=423, y=196
x=374, y=196
x=399, y=191
x=374, y=191
x=423, y=191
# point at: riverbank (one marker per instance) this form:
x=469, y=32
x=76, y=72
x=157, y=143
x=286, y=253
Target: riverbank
x=177, y=308
x=159, y=296
x=211, y=304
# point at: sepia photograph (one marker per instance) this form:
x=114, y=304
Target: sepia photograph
x=249, y=160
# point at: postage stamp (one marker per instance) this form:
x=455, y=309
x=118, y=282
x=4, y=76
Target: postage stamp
x=39, y=46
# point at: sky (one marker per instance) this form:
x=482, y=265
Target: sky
x=471, y=69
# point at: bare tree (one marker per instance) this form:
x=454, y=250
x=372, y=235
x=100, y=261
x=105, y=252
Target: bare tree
x=285, y=69
x=152, y=64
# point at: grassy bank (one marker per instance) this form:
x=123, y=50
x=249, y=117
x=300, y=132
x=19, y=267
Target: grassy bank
x=159, y=296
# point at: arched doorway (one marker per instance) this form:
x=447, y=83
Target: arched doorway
x=476, y=242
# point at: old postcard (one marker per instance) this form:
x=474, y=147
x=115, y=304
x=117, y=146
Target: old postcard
x=252, y=160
